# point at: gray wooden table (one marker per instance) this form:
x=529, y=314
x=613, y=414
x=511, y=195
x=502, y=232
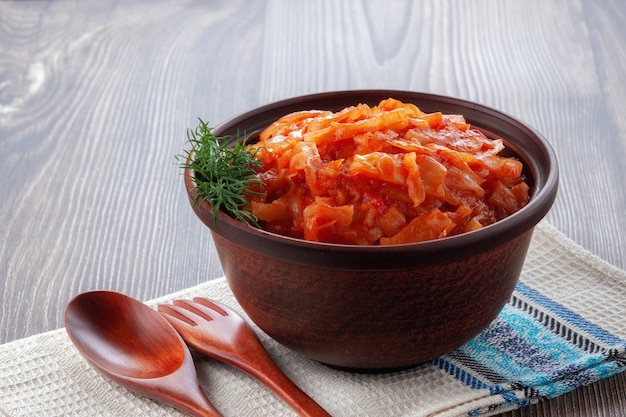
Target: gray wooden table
x=95, y=99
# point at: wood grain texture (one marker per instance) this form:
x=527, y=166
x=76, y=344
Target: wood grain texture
x=95, y=98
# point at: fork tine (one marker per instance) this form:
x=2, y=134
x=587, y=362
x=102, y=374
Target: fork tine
x=182, y=312
x=213, y=305
x=195, y=310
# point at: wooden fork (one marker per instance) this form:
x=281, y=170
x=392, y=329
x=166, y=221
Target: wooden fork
x=219, y=332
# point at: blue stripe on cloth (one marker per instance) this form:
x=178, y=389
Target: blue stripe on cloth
x=551, y=351
x=513, y=357
x=523, y=351
x=574, y=336
x=535, y=351
x=569, y=316
x=460, y=374
x=490, y=378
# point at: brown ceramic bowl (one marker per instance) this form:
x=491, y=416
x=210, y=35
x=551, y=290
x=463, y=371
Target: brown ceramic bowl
x=376, y=308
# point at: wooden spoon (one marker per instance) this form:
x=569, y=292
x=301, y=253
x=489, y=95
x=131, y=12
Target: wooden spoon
x=135, y=346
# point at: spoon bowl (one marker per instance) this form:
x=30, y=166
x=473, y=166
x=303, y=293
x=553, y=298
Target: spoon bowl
x=135, y=346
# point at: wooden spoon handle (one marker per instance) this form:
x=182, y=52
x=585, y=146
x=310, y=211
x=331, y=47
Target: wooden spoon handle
x=182, y=390
x=198, y=406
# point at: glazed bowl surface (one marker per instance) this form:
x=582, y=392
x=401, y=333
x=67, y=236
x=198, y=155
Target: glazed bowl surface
x=380, y=308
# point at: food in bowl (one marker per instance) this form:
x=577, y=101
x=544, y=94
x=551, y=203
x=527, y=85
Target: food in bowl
x=380, y=307
x=384, y=174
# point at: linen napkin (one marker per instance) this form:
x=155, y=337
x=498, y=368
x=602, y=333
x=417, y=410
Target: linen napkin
x=562, y=328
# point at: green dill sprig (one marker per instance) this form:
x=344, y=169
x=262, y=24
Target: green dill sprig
x=223, y=171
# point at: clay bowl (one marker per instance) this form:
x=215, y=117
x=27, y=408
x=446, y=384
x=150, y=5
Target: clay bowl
x=373, y=308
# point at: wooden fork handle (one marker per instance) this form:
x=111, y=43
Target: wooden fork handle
x=260, y=366
x=274, y=378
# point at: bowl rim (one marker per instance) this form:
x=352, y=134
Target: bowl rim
x=544, y=189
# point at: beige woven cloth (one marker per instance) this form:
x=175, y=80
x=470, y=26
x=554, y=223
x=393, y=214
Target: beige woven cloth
x=44, y=375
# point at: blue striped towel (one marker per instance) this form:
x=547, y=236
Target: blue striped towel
x=536, y=349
